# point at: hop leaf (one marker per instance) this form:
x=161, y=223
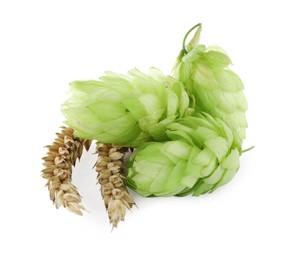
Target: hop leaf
x=199, y=157
x=126, y=110
x=216, y=88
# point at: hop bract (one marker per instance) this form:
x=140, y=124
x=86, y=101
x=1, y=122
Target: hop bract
x=216, y=88
x=199, y=157
x=126, y=110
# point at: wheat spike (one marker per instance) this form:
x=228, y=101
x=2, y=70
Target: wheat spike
x=61, y=157
x=110, y=170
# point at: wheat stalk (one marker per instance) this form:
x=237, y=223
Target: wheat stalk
x=61, y=157
x=110, y=170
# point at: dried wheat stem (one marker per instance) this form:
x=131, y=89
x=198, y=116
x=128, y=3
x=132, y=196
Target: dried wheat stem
x=61, y=156
x=111, y=178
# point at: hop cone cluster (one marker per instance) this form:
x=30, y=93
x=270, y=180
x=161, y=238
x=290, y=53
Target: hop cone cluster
x=187, y=129
x=126, y=110
x=199, y=157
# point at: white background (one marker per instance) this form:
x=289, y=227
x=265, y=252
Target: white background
x=44, y=45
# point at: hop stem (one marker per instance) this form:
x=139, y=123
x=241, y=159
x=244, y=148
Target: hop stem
x=248, y=149
x=60, y=159
x=110, y=170
x=195, y=38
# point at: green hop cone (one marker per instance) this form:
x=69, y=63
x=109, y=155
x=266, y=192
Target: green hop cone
x=126, y=110
x=217, y=89
x=199, y=157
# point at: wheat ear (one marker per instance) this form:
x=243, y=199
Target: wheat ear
x=61, y=157
x=111, y=170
